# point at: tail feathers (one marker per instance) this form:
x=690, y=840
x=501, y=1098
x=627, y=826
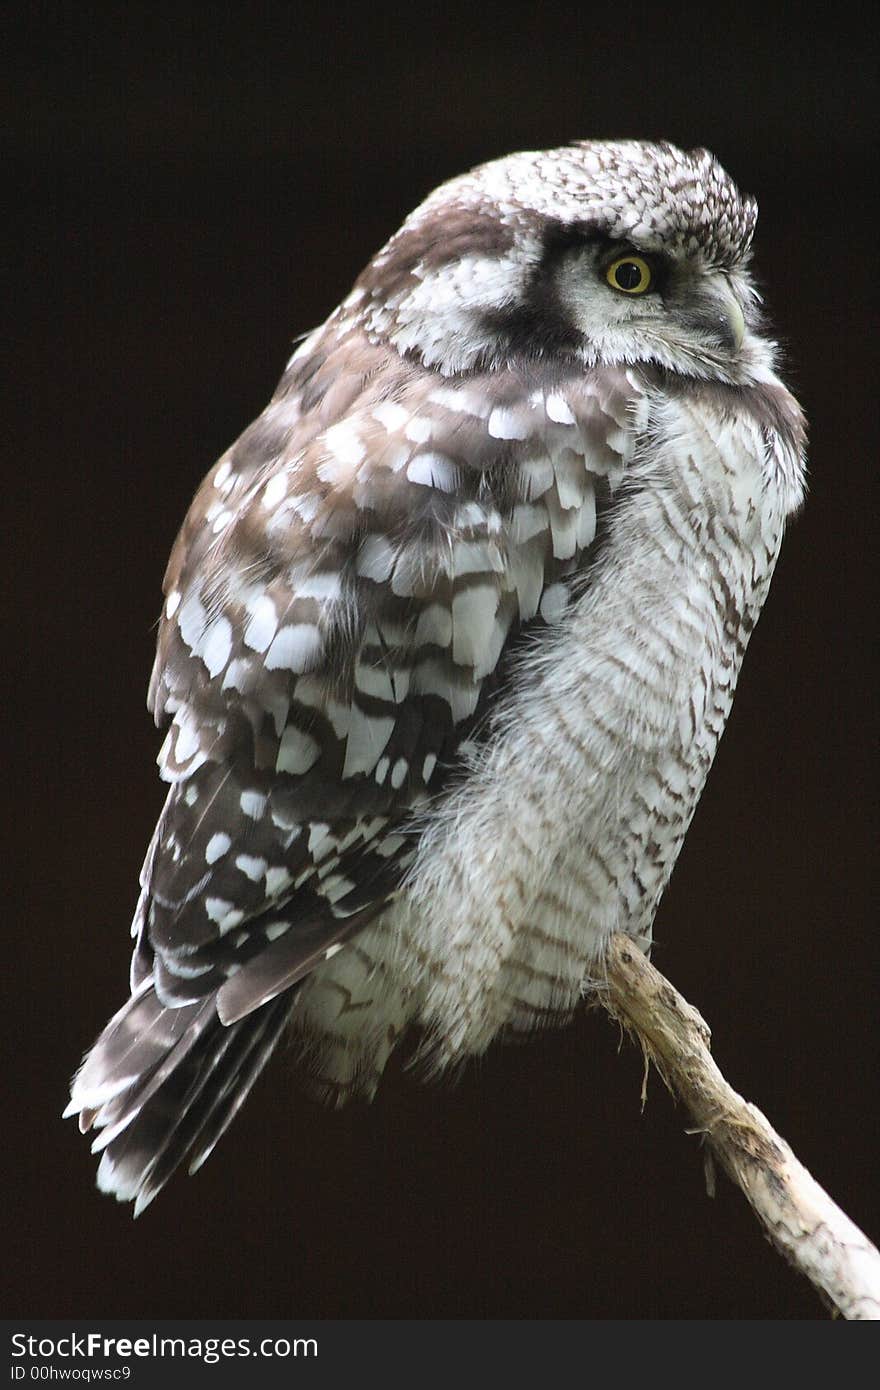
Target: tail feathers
x=207, y=1111
x=135, y=1054
x=163, y=1085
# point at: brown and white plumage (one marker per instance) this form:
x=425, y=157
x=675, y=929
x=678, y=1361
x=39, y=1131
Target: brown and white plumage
x=450, y=635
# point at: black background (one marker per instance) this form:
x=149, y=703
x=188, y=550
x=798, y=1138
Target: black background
x=188, y=188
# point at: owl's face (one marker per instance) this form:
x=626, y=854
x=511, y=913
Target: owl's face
x=620, y=252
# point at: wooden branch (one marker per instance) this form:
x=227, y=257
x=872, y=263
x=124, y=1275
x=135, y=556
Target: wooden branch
x=799, y=1218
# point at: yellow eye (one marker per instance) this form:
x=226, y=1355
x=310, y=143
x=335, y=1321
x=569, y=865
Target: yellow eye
x=629, y=274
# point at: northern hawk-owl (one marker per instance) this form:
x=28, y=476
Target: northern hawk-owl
x=450, y=636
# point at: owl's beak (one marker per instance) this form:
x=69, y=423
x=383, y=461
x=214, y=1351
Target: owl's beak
x=735, y=323
x=720, y=314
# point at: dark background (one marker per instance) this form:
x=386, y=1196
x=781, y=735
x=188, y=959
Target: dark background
x=188, y=188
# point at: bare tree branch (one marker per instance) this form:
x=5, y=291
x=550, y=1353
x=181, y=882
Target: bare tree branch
x=799, y=1218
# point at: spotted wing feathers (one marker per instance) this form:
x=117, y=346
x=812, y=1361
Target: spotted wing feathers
x=337, y=608
x=336, y=640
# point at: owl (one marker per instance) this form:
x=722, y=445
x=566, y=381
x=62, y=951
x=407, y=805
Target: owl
x=449, y=638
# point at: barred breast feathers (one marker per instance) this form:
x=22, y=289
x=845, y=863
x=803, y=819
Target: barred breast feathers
x=655, y=625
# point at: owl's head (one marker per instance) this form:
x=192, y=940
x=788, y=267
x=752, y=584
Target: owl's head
x=620, y=251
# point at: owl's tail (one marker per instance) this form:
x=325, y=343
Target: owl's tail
x=144, y=1087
